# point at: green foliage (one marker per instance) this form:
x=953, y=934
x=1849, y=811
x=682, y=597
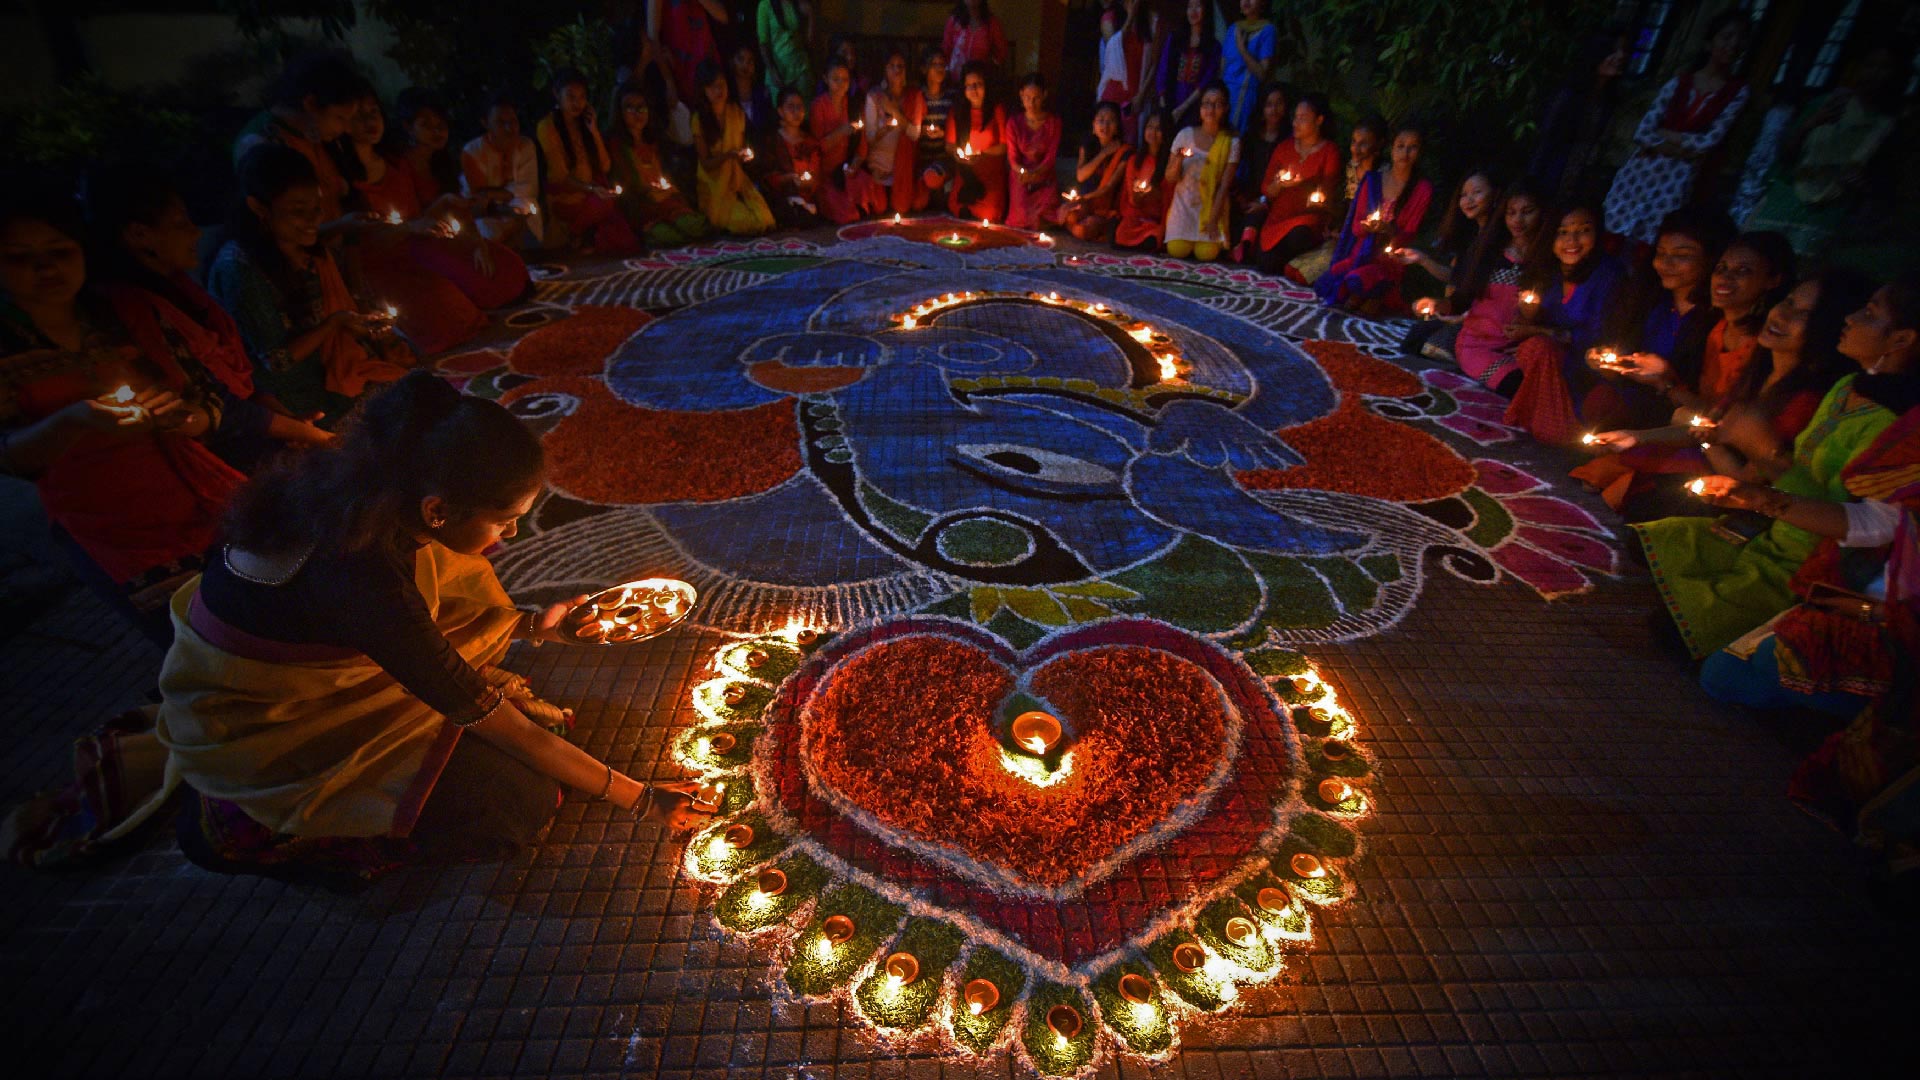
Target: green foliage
x=468, y=50
x=742, y=908
x=586, y=45
x=1493, y=60
x=85, y=121
x=932, y=943
x=1145, y=1028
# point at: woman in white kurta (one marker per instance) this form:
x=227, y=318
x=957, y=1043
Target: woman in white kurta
x=1199, y=171
x=1687, y=122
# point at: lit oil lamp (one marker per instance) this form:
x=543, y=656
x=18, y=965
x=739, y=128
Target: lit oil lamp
x=734, y=694
x=859, y=125
x=1036, y=732
x=805, y=175
x=1240, y=930
x=663, y=184
x=1286, y=176
x=1189, y=957
x=1425, y=307
x=771, y=882
x=902, y=968
x=394, y=218
x=893, y=121
x=1072, y=195
x=1317, y=197
x=1143, y=186
x=1307, y=865
x=746, y=153
x=985, y=224
x=1044, y=240
x=392, y=312
x=1135, y=989
x=907, y=322
x=707, y=800
x=963, y=153
x=1589, y=439
x=981, y=995
x=122, y=395
x=738, y=837
x=1335, y=750
x=617, y=190
x=1606, y=358
x=721, y=743
x=1698, y=487
x=1530, y=298
x=757, y=658
x=896, y=219
x=838, y=929
x=806, y=635
x=1273, y=901
x=1065, y=1022
x=1373, y=219
x=1169, y=367
x=1334, y=790
x=1186, y=151
x=1700, y=423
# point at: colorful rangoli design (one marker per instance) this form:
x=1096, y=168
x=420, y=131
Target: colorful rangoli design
x=907, y=850
x=1012, y=482
x=762, y=421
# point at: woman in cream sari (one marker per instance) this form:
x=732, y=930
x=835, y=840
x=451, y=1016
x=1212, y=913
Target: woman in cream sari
x=330, y=701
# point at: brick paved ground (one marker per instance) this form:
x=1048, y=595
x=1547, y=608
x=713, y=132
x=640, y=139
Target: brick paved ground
x=1578, y=866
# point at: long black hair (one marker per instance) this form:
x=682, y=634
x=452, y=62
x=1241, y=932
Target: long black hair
x=1091, y=145
x=415, y=438
x=1777, y=253
x=1710, y=229
x=412, y=102
x=562, y=79
x=1543, y=265
x=1842, y=292
x=1165, y=119
x=962, y=115
x=712, y=124
x=115, y=198
x=1489, y=246
x=267, y=172
x=1458, y=232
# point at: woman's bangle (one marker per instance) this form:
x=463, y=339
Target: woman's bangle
x=532, y=633
x=606, y=788
x=645, y=802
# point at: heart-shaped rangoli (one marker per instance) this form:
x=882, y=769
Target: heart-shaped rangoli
x=877, y=811
x=926, y=762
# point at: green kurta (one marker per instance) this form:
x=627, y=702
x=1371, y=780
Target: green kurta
x=1718, y=590
x=787, y=60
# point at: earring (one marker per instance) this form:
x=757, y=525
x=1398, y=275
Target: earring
x=436, y=523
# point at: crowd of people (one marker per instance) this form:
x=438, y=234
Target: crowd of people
x=1754, y=424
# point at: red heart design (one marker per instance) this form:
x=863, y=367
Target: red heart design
x=927, y=768
x=1164, y=865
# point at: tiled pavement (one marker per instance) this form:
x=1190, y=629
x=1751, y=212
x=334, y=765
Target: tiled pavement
x=1577, y=866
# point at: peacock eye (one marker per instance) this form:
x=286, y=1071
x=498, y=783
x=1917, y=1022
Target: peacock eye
x=1032, y=468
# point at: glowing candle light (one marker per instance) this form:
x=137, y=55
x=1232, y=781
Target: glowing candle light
x=1189, y=957
x=1072, y=195
x=1317, y=197
x=1143, y=185
x=896, y=219
x=392, y=312
x=534, y=208
x=771, y=882
x=1530, y=298
x=1607, y=358
x=1044, y=239
x=123, y=395
x=893, y=121
x=1169, y=367
x=1037, y=731
x=663, y=184
x=1286, y=176
x=1053, y=298
x=981, y=995
x=394, y=218
x=1186, y=151
x=985, y=224
x=859, y=125
x=1373, y=218
x=1589, y=439
x=1307, y=865
x=618, y=190
x=805, y=175
x=454, y=226
x=1425, y=307
x=902, y=968
x=1143, y=335
x=1698, y=487
x=1335, y=791
x=1064, y=1021
x=746, y=153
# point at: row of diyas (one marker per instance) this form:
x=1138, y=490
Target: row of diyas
x=1166, y=353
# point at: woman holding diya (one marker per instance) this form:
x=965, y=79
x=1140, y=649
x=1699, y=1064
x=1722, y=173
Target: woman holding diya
x=330, y=697
x=1717, y=588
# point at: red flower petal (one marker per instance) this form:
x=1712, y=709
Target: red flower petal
x=1549, y=576
x=579, y=344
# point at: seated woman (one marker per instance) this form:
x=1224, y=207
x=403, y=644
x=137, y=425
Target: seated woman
x=1640, y=473
x=1562, y=317
x=487, y=273
x=653, y=205
x=313, y=105
x=1433, y=277
x=330, y=700
x=937, y=97
x=1143, y=195
x=842, y=194
x=1485, y=346
x=1272, y=125
x=1664, y=327
x=893, y=115
x=576, y=165
x=1717, y=589
x=113, y=437
x=500, y=172
x=727, y=196
x=1299, y=181
x=793, y=177
x=976, y=135
x=1364, y=147
x=1093, y=207
x=1200, y=173
x=311, y=346
x=146, y=250
x=403, y=261
x=1033, y=151
x=1386, y=212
